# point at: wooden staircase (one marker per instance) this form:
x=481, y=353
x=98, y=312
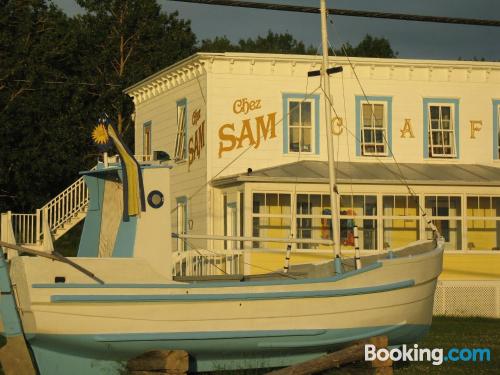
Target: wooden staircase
x=62, y=213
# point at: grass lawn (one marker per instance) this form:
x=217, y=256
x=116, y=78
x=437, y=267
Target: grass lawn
x=447, y=333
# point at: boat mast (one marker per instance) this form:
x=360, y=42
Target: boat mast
x=335, y=217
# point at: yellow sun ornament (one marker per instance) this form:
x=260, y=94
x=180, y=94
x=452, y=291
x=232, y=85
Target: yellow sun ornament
x=100, y=134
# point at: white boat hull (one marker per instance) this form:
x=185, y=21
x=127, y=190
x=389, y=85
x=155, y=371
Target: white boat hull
x=222, y=325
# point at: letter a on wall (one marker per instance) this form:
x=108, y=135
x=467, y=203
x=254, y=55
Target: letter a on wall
x=407, y=129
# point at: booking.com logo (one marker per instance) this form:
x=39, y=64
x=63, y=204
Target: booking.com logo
x=437, y=356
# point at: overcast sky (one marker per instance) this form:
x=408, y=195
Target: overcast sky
x=409, y=39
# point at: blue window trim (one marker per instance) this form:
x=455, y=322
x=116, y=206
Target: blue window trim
x=183, y=199
x=388, y=101
x=286, y=98
x=183, y=102
x=146, y=125
x=496, y=125
x=456, y=103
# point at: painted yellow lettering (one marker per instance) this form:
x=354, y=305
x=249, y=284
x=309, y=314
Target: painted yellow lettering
x=191, y=152
x=266, y=128
x=246, y=133
x=337, y=125
x=407, y=129
x=475, y=126
x=223, y=137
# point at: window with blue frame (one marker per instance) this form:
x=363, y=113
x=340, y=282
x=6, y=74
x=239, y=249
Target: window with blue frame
x=300, y=123
x=496, y=129
x=373, y=125
x=441, y=128
x=146, y=139
x=181, y=138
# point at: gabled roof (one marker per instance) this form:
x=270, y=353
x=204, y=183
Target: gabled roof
x=310, y=171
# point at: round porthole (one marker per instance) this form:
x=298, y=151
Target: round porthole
x=155, y=199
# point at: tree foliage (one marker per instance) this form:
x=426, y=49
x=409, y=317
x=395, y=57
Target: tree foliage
x=369, y=47
x=271, y=43
x=59, y=74
x=122, y=42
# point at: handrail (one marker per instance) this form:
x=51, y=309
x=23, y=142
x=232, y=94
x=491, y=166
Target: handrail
x=58, y=211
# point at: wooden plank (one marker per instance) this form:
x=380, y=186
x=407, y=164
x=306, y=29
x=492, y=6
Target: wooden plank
x=15, y=357
x=160, y=361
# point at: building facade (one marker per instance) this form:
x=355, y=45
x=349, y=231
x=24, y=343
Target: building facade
x=247, y=136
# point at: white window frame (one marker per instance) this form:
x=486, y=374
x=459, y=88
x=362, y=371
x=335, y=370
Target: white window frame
x=498, y=131
x=286, y=216
x=385, y=126
x=312, y=127
x=442, y=131
x=181, y=138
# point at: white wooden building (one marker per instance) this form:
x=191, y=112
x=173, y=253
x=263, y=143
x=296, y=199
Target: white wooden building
x=247, y=136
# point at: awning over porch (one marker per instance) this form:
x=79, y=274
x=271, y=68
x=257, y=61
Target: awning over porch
x=311, y=171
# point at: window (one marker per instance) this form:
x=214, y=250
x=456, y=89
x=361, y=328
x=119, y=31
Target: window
x=146, y=139
x=359, y=210
x=230, y=223
x=313, y=218
x=300, y=126
x=182, y=222
x=373, y=129
x=441, y=133
x=483, y=223
x=301, y=123
x=181, y=139
x=401, y=220
x=445, y=212
x=271, y=218
x=373, y=125
x=498, y=133
x=441, y=128
x=496, y=129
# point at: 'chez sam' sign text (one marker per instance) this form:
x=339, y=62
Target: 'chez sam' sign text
x=252, y=132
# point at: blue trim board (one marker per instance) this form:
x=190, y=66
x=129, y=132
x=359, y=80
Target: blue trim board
x=388, y=101
x=456, y=120
x=285, y=281
x=315, y=98
x=496, y=127
x=233, y=296
x=8, y=311
x=212, y=350
x=89, y=240
x=179, y=103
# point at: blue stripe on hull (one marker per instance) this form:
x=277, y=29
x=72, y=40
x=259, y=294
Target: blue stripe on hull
x=231, y=296
x=107, y=354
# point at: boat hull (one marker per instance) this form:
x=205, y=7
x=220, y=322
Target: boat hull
x=226, y=325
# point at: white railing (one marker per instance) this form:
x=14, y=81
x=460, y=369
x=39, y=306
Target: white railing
x=143, y=158
x=207, y=263
x=58, y=211
x=66, y=205
x=24, y=227
x=28, y=228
